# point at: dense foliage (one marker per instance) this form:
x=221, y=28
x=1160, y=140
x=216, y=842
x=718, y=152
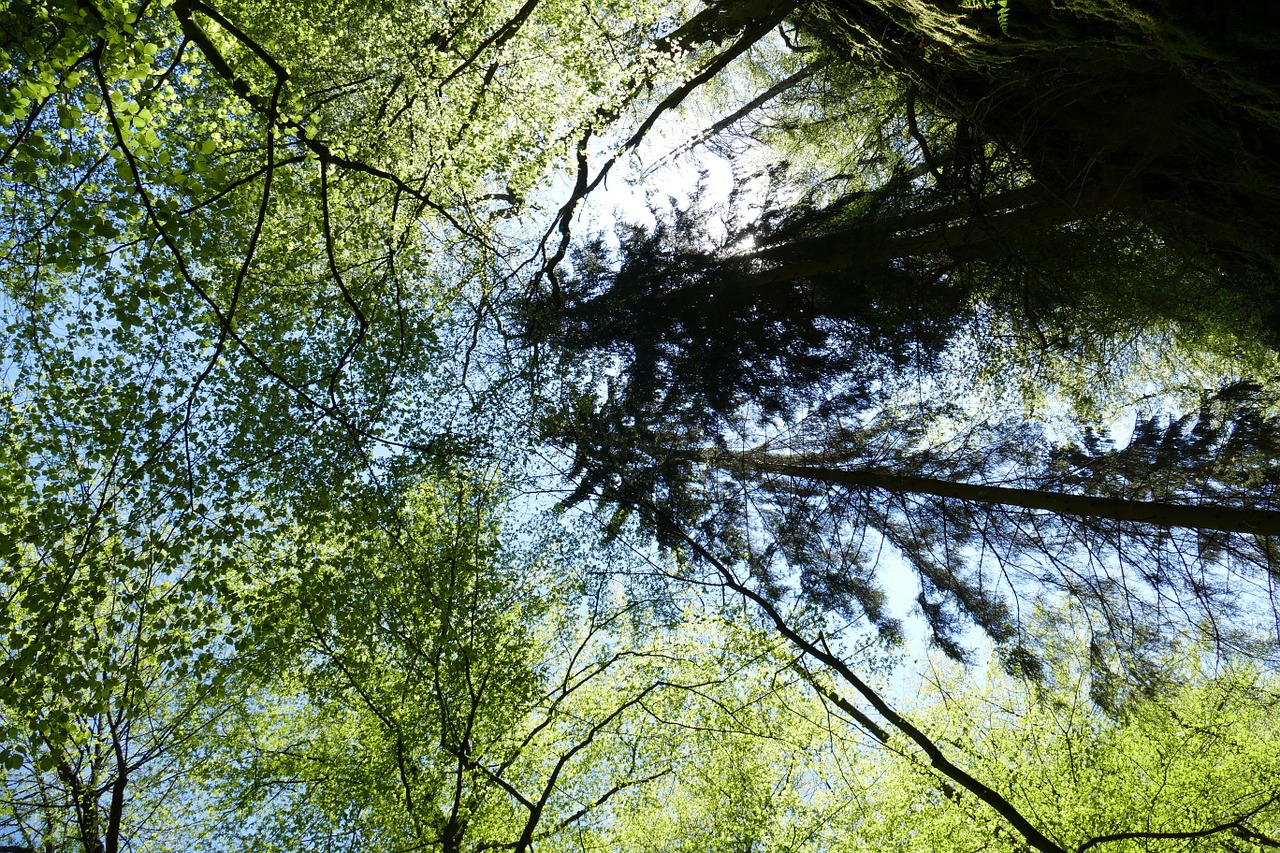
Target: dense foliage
x=354, y=496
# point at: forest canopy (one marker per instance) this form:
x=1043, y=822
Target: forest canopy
x=369, y=482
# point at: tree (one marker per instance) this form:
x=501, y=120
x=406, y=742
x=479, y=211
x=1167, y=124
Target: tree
x=820, y=305
x=258, y=583
x=1038, y=83
x=218, y=313
x=987, y=521
x=217, y=225
x=117, y=606
x=413, y=681
x=759, y=415
x=1186, y=767
x=959, y=780
x=992, y=200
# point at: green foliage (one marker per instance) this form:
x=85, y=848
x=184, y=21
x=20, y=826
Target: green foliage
x=410, y=680
x=270, y=577
x=1189, y=766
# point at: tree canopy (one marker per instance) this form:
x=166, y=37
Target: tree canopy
x=917, y=491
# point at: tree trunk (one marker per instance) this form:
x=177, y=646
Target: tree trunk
x=1204, y=517
x=83, y=797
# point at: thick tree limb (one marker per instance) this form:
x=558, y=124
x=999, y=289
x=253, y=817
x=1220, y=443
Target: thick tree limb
x=875, y=729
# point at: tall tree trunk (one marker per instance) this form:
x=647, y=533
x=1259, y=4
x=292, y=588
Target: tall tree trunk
x=1203, y=517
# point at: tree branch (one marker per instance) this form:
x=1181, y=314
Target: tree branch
x=711, y=23
x=499, y=37
x=937, y=758
x=746, y=109
x=1236, y=825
